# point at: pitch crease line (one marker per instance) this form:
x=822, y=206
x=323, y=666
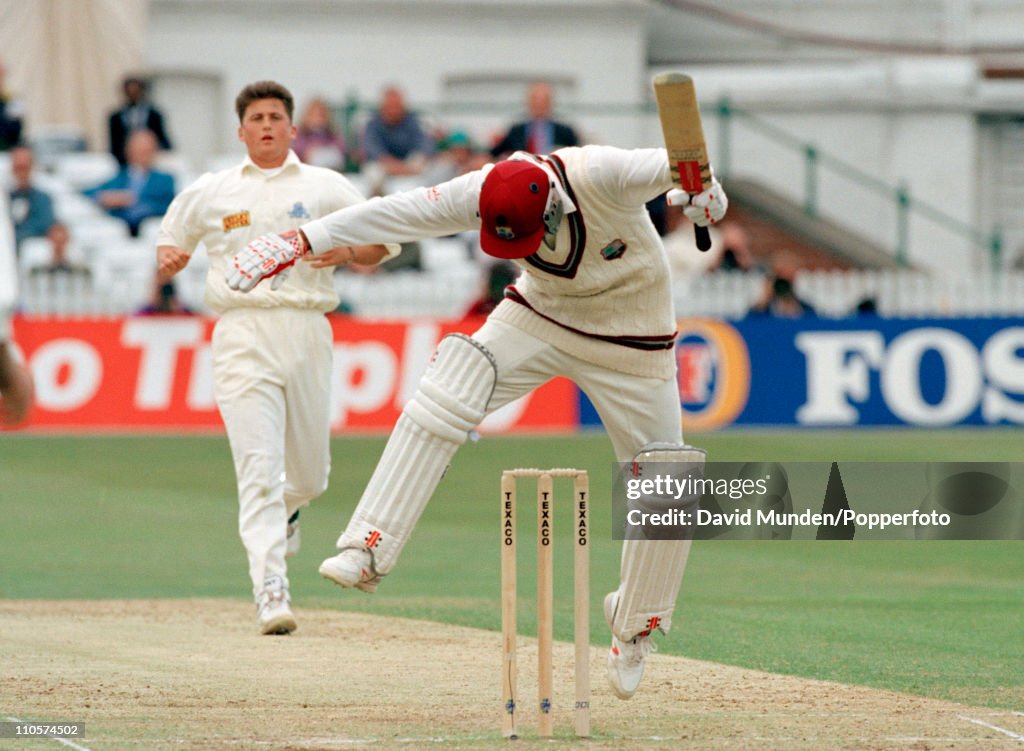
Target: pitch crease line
x=990, y=726
x=65, y=741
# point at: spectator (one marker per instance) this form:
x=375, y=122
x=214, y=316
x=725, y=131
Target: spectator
x=395, y=139
x=60, y=241
x=137, y=191
x=867, y=306
x=539, y=134
x=318, y=141
x=685, y=260
x=736, y=253
x=657, y=209
x=779, y=298
x=163, y=299
x=31, y=208
x=499, y=275
x=137, y=113
x=456, y=156
x=10, y=115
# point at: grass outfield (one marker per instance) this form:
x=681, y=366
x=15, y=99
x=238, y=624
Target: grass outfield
x=142, y=517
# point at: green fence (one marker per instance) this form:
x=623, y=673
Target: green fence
x=815, y=161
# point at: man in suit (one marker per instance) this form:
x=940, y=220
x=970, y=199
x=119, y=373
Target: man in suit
x=136, y=114
x=540, y=134
x=10, y=115
x=31, y=208
x=137, y=191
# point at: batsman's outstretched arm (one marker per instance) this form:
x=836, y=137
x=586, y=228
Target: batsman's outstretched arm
x=437, y=211
x=345, y=255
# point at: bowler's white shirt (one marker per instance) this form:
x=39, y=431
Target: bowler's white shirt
x=228, y=209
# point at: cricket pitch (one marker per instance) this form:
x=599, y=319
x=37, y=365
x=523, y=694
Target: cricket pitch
x=195, y=674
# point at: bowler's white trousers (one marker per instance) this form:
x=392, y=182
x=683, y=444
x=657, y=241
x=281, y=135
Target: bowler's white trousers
x=635, y=411
x=272, y=372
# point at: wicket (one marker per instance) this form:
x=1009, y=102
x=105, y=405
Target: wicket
x=545, y=597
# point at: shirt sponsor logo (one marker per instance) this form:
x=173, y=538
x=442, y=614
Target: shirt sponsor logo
x=236, y=221
x=615, y=249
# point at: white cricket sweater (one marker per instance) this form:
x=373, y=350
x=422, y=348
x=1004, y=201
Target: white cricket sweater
x=603, y=294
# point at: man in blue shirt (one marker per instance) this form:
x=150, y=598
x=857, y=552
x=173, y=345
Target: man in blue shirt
x=395, y=139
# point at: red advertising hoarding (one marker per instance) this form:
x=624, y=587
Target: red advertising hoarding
x=153, y=373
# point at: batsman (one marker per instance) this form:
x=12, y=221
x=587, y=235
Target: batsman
x=593, y=304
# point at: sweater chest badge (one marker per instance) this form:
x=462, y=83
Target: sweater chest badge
x=236, y=221
x=298, y=211
x=614, y=249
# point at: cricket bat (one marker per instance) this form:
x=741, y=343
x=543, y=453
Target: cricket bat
x=684, y=138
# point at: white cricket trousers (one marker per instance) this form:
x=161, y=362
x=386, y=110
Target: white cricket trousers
x=635, y=411
x=272, y=371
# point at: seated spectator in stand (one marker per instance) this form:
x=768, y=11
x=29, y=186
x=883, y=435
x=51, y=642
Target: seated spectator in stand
x=779, y=298
x=539, y=133
x=60, y=241
x=318, y=141
x=736, y=254
x=685, y=260
x=163, y=300
x=137, y=113
x=657, y=210
x=395, y=139
x=137, y=191
x=11, y=113
x=499, y=275
x=456, y=155
x=31, y=208
x=868, y=306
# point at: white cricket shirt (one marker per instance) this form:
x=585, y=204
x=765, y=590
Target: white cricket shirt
x=226, y=210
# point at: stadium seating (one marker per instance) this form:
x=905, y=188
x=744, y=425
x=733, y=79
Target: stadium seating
x=122, y=268
x=85, y=169
x=123, y=273
x=51, y=143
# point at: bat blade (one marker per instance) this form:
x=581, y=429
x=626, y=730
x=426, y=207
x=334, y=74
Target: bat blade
x=684, y=138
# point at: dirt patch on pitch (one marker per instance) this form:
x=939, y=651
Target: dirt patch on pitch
x=193, y=674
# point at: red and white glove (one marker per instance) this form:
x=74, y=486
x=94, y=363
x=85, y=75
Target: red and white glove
x=704, y=208
x=266, y=256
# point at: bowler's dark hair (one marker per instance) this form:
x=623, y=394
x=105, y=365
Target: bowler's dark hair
x=263, y=90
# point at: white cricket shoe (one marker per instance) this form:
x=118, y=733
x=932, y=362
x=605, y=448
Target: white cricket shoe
x=273, y=608
x=625, y=658
x=352, y=567
x=294, y=540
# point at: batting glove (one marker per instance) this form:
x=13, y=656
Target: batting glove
x=266, y=256
x=707, y=207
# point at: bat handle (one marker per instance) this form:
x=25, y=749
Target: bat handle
x=703, y=237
